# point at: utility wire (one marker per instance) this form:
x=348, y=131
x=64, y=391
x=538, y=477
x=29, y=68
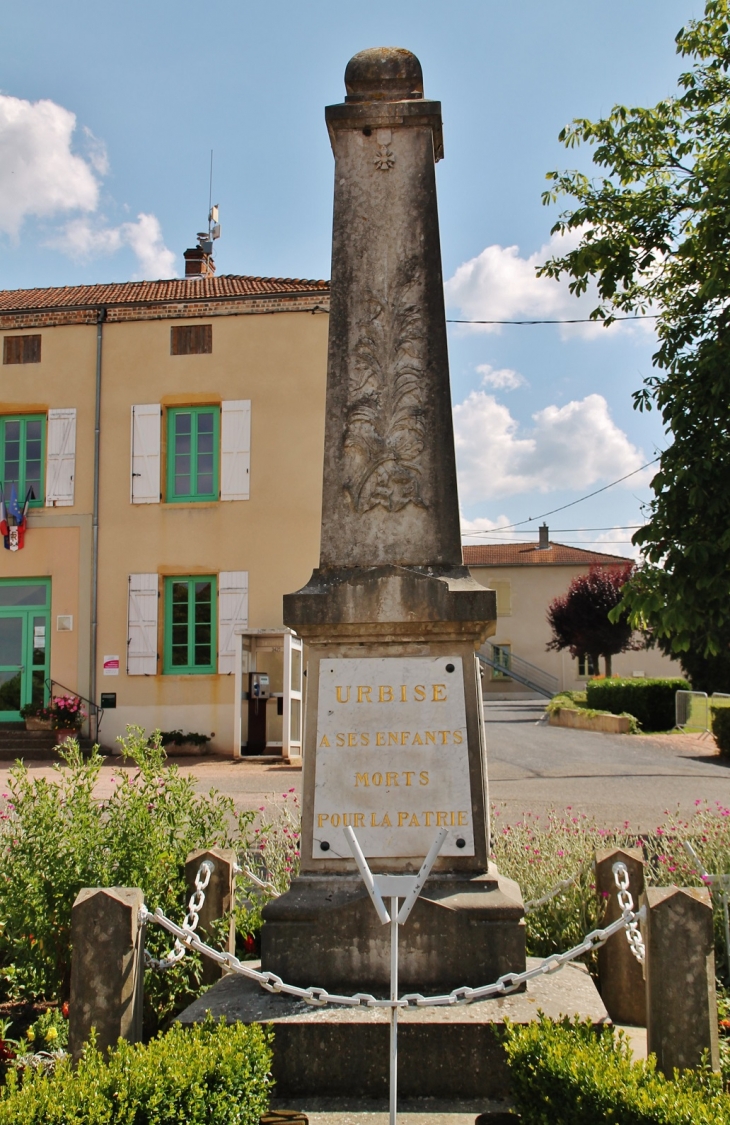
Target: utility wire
x=576, y=320
x=563, y=530
x=531, y=519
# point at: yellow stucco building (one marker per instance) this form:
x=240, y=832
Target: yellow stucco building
x=168, y=439
x=526, y=578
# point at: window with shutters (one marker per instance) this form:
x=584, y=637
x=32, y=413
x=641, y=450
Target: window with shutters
x=22, y=349
x=22, y=455
x=193, y=453
x=142, y=625
x=61, y=457
x=191, y=339
x=232, y=612
x=190, y=626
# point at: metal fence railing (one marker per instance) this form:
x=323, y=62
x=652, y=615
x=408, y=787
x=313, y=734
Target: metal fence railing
x=693, y=710
x=513, y=667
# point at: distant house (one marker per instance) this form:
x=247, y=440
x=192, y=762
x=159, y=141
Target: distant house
x=526, y=577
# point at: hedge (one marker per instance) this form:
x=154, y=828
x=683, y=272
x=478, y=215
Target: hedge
x=721, y=728
x=569, y=1074
x=649, y=701
x=210, y=1074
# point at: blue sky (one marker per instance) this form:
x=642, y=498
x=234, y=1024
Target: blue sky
x=108, y=113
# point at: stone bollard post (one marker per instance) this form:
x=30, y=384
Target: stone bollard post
x=218, y=901
x=620, y=976
x=681, y=1006
x=107, y=970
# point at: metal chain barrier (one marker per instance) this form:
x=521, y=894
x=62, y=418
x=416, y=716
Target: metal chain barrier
x=626, y=902
x=186, y=938
x=534, y=903
x=189, y=926
x=265, y=886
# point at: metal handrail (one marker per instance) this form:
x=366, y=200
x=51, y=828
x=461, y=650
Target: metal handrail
x=93, y=707
x=521, y=670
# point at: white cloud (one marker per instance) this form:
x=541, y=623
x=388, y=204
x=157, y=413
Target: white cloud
x=499, y=284
x=83, y=239
x=475, y=531
x=145, y=238
x=39, y=174
x=502, y=378
x=571, y=446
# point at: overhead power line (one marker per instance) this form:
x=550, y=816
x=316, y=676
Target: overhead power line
x=563, y=530
x=575, y=320
x=531, y=519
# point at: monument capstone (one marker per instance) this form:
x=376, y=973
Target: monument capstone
x=394, y=735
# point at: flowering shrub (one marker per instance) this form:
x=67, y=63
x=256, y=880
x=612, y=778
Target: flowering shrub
x=540, y=852
x=56, y=837
x=67, y=712
x=273, y=855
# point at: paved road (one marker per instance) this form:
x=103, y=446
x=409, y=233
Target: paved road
x=613, y=777
x=531, y=767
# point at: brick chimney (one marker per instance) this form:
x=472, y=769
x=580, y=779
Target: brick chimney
x=199, y=261
x=544, y=543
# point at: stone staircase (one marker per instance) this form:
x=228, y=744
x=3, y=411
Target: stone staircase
x=30, y=745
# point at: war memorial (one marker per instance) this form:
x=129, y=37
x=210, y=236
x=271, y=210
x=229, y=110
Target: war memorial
x=394, y=739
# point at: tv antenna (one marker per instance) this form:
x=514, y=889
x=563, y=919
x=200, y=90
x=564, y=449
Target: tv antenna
x=206, y=238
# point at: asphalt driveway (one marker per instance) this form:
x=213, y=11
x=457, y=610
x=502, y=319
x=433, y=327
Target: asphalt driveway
x=613, y=777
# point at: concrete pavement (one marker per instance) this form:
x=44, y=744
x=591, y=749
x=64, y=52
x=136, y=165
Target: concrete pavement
x=532, y=766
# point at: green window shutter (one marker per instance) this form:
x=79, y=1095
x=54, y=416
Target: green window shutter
x=190, y=625
x=23, y=456
x=193, y=453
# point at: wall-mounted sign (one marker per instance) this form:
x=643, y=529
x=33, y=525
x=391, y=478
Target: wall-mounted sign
x=111, y=665
x=392, y=758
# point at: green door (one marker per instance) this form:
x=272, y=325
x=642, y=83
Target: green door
x=24, y=647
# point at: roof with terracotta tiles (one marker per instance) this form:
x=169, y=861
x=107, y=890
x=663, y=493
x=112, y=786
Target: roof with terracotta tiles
x=143, y=292
x=529, y=554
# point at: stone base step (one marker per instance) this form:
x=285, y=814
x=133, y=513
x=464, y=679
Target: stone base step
x=446, y=1053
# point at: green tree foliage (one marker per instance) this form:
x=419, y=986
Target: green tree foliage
x=655, y=238
x=706, y=672
x=579, y=619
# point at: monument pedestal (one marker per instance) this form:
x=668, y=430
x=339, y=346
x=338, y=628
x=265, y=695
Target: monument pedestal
x=463, y=930
x=446, y=1053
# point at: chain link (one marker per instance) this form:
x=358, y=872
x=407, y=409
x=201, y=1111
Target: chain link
x=534, y=903
x=508, y=982
x=189, y=926
x=626, y=902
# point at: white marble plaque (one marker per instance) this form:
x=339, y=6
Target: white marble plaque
x=392, y=757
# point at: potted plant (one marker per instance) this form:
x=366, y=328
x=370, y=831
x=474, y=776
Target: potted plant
x=37, y=717
x=177, y=744
x=67, y=715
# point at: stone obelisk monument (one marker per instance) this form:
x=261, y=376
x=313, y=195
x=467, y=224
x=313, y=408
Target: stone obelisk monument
x=394, y=737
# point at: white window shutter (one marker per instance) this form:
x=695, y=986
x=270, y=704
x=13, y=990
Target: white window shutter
x=142, y=625
x=60, y=458
x=232, y=611
x=235, y=449
x=145, y=488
